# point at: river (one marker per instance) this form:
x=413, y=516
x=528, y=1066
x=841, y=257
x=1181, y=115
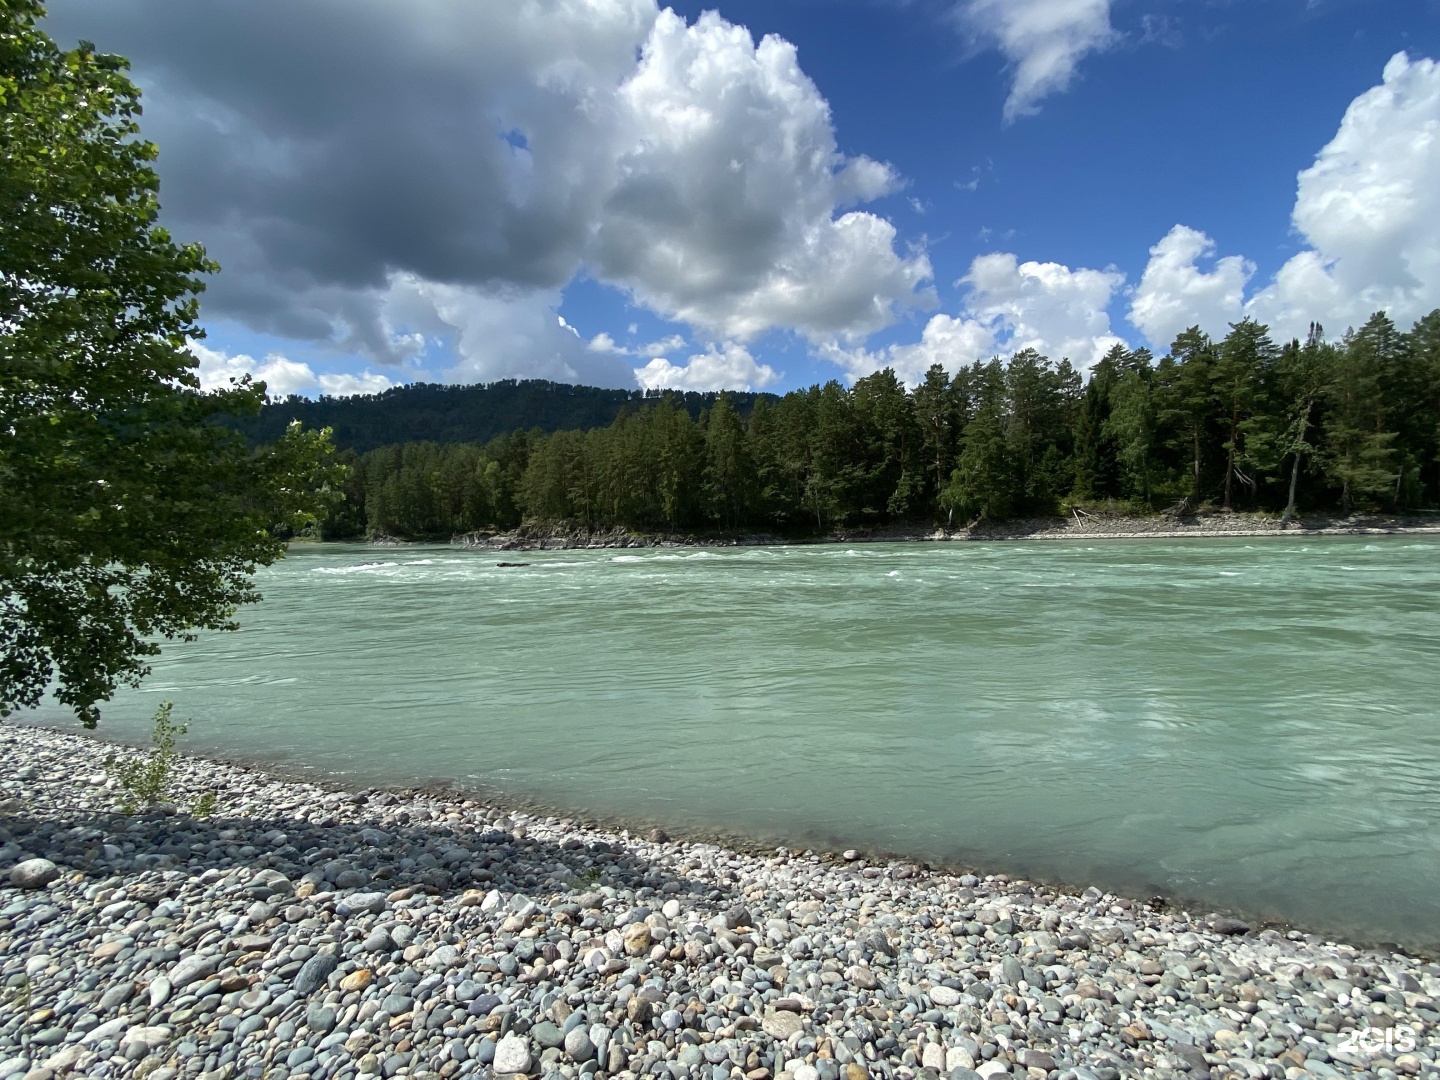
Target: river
x=1251, y=724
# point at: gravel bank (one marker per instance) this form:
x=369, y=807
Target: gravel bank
x=309, y=933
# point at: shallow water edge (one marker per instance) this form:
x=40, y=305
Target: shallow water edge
x=831, y=851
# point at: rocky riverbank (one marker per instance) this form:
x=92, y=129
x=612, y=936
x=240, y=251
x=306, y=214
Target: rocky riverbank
x=305, y=933
x=1076, y=527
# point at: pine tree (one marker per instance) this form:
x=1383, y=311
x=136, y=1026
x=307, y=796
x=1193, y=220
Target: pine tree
x=1239, y=369
x=1359, y=450
x=1096, y=468
x=983, y=483
x=1186, y=400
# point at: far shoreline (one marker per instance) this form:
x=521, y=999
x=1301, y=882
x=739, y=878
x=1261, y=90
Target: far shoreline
x=1078, y=527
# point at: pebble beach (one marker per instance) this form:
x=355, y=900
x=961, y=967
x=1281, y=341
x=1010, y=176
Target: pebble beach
x=297, y=931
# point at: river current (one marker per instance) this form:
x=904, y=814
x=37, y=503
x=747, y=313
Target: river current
x=1250, y=724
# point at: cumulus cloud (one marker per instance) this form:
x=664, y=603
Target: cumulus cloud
x=1043, y=40
x=728, y=367
x=489, y=152
x=281, y=376
x=1009, y=306
x=604, y=343
x=724, y=213
x=1369, y=209
x=1175, y=293
x=1045, y=306
x=949, y=341
x=504, y=333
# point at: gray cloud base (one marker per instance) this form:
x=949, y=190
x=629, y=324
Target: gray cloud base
x=367, y=173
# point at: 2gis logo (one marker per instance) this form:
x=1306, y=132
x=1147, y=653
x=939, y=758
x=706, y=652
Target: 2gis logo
x=1373, y=1041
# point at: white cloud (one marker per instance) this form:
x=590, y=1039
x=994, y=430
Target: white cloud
x=505, y=334
x=604, y=343
x=1369, y=207
x=281, y=376
x=1045, y=306
x=1009, y=306
x=484, y=155
x=1175, y=293
x=663, y=346
x=726, y=209
x=951, y=342
x=730, y=367
x=1043, y=40
x=348, y=384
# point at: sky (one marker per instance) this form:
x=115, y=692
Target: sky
x=766, y=194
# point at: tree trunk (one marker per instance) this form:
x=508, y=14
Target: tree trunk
x=1294, y=481
x=1230, y=459
x=1195, y=432
x=1295, y=468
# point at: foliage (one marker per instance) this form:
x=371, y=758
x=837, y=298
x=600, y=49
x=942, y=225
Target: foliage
x=473, y=414
x=127, y=514
x=146, y=780
x=1345, y=425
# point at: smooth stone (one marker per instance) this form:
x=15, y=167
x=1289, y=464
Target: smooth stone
x=547, y=1034
x=107, y=1030
x=483, y=1005
x=396, y=1004
x=944, y=996
x=579, y=1046
x=512, y=1055
x=313, y=974
x=780, y=1025
x=160, y=989
x=320, y=1019
x=192, y=967
x=378, y=942
x=33, y=874
x=367, y=903
x=444, y=958
x=636, y=939
x=299, y=1056
x=358, y=979
x=113, y=998
x=959, y=1057
x=1036, y=1059
x=467, y=992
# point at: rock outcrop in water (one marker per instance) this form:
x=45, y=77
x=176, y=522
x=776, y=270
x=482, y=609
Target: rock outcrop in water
x=304, y=933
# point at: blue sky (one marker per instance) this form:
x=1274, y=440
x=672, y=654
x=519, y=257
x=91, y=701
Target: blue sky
x=989, y=174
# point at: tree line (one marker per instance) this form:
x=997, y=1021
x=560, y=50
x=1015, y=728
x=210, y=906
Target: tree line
x=474, y=413
x=1242, y=423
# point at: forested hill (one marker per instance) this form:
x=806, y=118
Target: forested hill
x=454, y=414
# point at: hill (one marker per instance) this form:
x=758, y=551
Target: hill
x=455, y=414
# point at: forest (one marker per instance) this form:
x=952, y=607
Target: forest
x=446, y=414
x=1242, y=423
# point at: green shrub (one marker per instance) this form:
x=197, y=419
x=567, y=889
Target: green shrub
x=146, y=780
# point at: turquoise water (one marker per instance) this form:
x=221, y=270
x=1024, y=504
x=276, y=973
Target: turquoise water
x=1249, y=724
